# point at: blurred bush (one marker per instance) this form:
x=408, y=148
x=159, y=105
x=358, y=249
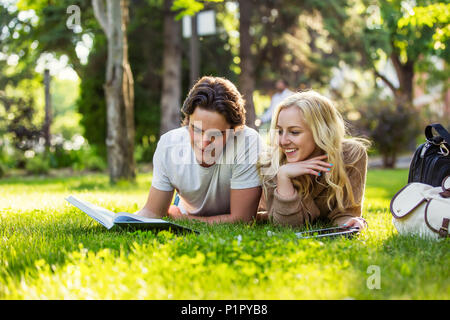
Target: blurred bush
x=143, y=152
x=88, y=159
x=81, y=156
x=392, y=127
x=75, y=153
x=39, y=164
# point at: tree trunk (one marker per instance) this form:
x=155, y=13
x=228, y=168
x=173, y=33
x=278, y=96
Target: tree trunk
x=389, y=160
x=119, y=90
x=404, y=94
x=405, y=74
x=48, y=108
x=171, y=91
x=246, y=78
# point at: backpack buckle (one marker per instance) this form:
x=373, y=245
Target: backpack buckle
x=443, y=150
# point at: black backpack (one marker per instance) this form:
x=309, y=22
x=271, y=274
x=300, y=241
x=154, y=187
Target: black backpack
x=431, y=161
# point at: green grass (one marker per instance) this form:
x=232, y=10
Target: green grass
x=51, y=250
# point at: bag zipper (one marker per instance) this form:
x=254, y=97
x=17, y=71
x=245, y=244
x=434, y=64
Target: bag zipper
x=424, y=149
x=422, y=156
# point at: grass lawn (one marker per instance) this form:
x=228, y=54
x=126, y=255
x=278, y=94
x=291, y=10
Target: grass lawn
x=51, y=250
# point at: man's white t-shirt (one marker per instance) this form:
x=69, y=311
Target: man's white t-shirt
x=206, y=191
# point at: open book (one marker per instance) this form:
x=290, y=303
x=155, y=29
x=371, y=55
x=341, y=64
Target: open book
x=110, y=219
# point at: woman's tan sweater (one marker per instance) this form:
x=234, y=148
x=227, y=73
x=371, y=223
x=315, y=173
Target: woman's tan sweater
x=296, y=211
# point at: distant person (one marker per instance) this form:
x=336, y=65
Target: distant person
x=311, y=169
x=210, y=161
x=282, y=92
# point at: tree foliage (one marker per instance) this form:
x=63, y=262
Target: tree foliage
x=391, y=29
x=301, y=41
x=145, y=54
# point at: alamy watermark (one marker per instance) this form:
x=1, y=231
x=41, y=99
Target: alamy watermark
x=213, y=146
x=73, y=22
x=374, y=280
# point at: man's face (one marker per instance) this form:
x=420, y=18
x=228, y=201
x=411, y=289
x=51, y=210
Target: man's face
x=208, y=133
x=280, y=86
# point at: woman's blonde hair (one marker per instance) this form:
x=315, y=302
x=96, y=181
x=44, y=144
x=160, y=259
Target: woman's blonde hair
x=329, y=133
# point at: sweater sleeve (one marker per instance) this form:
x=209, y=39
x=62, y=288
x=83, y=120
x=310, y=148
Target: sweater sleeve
x=293, y=211
x=357, y=175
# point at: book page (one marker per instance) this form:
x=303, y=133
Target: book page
x=99, y=214
x=125, y=216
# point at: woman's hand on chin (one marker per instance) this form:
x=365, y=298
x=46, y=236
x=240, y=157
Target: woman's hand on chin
x=313, y=166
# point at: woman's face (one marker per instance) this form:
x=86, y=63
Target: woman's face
x=294, y=136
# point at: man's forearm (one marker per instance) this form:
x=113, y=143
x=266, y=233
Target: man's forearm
x=149, y=214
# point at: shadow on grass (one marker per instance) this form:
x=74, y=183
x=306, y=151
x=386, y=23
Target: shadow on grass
x=90, y=182
x=91, y=186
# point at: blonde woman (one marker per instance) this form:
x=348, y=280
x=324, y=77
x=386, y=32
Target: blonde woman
x=311, y=170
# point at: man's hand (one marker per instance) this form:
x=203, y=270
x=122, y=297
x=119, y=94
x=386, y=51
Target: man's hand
x=175, y=213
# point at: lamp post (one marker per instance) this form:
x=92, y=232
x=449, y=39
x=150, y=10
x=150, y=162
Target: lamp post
x=201, y=24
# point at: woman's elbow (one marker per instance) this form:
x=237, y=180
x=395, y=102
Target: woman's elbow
x=293, y=220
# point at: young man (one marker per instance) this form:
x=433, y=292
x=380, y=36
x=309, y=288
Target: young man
x=210, y=161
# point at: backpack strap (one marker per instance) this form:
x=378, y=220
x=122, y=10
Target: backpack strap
x=440, y=129
x=443, y=231
x=445, y=187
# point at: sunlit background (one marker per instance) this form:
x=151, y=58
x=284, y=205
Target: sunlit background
x=385, y=63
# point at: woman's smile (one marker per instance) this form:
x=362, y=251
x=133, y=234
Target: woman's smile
x=290, y=152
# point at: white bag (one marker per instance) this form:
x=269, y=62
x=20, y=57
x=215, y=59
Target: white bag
x=421, y=209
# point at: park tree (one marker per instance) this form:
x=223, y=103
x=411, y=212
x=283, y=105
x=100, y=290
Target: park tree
x=119, y=89
x=172, y=68
x=18, y=123
x=247, y=76
x=288, y=39
x=147, y=55
x=411, y=30
x=410, y=35
x=51, y=34
x=54, y=31
x=406, y=33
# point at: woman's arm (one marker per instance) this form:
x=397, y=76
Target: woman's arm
x=292, y=211
x=314, y=166
x=288, y=208
x=351, y=215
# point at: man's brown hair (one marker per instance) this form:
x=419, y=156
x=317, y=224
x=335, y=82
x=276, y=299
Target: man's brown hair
x=215, y=94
